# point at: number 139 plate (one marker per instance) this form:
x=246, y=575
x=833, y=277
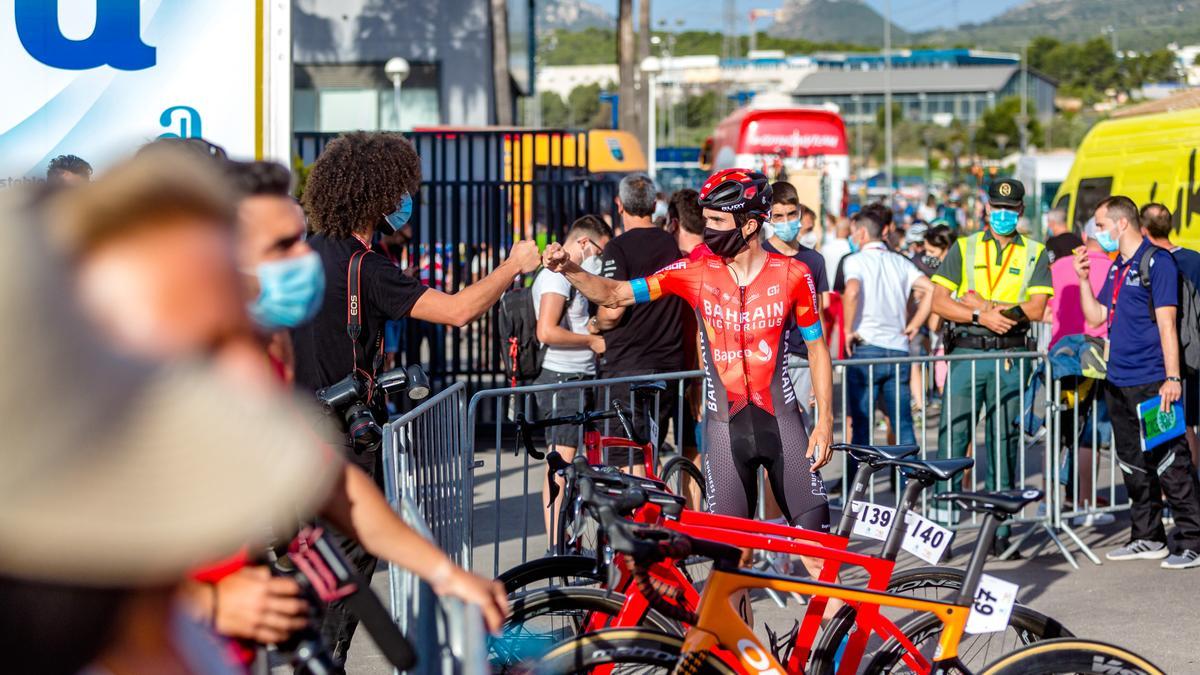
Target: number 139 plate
x=874, y=521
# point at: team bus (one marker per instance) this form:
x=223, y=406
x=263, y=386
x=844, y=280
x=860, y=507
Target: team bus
x=1146, y=158
x=807, y=145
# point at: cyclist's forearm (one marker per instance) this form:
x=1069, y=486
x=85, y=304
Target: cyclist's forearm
x=600, y=290
x=821, y=366
x=359, y=510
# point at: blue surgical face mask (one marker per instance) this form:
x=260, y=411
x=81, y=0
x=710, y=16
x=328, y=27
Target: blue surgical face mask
x=787, y=230
x=1003, y=221
x=1107, y=242
x=854, y=247
x=399, y=218
x=290, y=291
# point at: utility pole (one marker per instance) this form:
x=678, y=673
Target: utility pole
x=887, y=94
x=1023, y=120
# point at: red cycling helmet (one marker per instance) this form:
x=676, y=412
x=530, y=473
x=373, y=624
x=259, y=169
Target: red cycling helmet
x=737, y=191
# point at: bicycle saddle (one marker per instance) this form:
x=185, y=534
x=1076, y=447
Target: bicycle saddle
x=652, y=387
x=1006, y=502
x=874, y=454
x=929, y=470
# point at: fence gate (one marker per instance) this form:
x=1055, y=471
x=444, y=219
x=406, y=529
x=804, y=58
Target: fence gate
x=480, y=190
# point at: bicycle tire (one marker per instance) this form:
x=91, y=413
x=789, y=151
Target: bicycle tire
x=655, y=650
x=1031, y=627
x=915, y=581
x=515, y=645
x=679, y=467
x=1073, y=656
x=557, y=570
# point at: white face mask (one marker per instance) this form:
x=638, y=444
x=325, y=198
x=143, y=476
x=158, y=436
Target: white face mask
x=809, y=238
x=591, y=264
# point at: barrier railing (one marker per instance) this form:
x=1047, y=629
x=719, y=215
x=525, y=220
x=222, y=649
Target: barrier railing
x=426, y=472
x=425, y=451
x=516, y=511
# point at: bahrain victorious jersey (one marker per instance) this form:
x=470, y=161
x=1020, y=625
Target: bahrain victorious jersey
x=743, y=327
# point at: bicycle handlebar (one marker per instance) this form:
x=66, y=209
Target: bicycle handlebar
x=526, y=427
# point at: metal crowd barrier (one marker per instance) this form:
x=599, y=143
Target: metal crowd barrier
x=427, y=459
x=448, y=635
x=516, y=526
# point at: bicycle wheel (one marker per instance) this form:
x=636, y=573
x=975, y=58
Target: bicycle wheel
x=627, y=650
x=552, y=572
x=926, y=583
x=1025, y=627
x=685, y=479
x=538, y=620
x=1071, y=656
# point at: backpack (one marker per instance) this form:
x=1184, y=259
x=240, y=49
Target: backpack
x=1187, y=318
x=520, y=349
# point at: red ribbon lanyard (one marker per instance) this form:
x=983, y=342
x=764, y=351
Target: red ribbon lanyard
x=1118, y=282
x=1003, y=266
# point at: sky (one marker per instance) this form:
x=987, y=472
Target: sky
x=912, y=15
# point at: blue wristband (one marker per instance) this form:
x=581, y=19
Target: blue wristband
x=641, y=290
x=812, y=332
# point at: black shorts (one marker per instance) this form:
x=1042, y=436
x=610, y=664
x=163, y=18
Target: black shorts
x=641, y=415
x=753, y=438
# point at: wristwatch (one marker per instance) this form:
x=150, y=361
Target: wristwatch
x=975, y=318
x=1173, y=379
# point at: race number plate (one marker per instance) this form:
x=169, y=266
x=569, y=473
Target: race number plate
x=993, y=605
x=874, y=521
x=926, y=539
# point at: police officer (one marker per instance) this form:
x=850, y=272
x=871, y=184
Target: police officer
x=989, y=287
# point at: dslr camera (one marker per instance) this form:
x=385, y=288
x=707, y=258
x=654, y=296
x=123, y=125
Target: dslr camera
x=351, y=397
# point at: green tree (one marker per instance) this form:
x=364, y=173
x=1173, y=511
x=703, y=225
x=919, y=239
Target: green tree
x=585, y=108
x=555, y=112
x=1001, y=120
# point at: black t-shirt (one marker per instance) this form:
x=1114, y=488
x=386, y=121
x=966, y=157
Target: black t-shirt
x=324, y=352
x=816, y=266
x=649, y=336
x=1062, y=246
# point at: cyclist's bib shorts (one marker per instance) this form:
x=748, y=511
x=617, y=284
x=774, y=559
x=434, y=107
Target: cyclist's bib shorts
x=752, y=419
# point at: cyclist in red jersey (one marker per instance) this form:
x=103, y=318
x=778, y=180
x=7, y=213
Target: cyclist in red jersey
x=744, y=298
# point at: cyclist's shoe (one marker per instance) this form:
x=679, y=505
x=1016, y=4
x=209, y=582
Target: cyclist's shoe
x=1140, y=549
x=1183, y=560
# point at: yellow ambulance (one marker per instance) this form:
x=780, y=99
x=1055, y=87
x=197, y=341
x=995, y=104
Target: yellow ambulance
x=1148, y=158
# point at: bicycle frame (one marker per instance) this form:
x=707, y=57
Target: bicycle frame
x=781, y=539
x=719, y=627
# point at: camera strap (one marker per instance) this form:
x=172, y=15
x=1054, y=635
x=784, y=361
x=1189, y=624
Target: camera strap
x=354, y=309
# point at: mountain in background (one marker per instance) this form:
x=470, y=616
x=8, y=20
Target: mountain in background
x=850, y=21
x=573, y=15
x=1141, y=26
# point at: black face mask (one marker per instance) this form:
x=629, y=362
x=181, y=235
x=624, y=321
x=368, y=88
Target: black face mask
x=725, y=243
x=931, y=261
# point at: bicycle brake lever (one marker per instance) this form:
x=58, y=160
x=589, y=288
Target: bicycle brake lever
x=527, y=437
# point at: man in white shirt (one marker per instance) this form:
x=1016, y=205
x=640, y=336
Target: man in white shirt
x=876, y=284
x=569, y=349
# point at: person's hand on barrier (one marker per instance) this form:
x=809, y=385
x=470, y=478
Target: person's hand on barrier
x=556, y=258
x=596, y=344
x=252, y=604
x=524, y=255
x=996, y=322
x=487, y=594
x=819, y=452
x=1170, y=392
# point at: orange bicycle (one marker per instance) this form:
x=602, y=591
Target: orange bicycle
x=719, y=641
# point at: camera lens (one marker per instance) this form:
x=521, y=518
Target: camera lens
x=363, y=430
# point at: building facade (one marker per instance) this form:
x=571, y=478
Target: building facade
x=340, y=48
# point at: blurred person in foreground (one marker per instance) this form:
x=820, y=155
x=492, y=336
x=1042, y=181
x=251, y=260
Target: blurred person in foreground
x=155, y=242
x=366, y=184
x=1158, y=226
x=117, y=484
x=68, y=170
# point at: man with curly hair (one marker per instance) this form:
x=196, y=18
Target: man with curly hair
x=362, y=184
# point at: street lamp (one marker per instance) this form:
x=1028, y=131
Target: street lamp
x=956, y=148
x=1001, y=143
x=397, y=70
x=652, y=66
